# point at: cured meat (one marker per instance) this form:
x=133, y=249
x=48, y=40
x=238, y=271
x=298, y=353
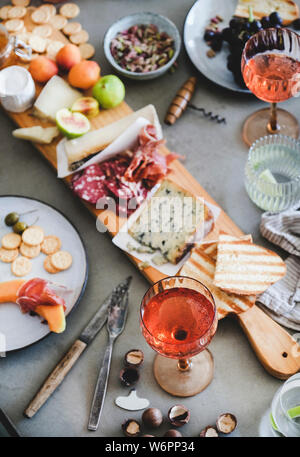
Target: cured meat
x=36, y=292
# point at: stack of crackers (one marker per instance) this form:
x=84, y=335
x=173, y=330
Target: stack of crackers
x=235, y=270
x=36, y=27
x=29, y=245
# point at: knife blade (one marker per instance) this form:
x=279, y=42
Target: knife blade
x=91, y=330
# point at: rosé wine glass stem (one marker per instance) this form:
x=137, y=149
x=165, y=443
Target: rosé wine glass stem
x=273, y=126
x=184, y=364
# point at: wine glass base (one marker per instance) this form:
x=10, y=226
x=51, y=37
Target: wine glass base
x=256, y=125
x=184, y=383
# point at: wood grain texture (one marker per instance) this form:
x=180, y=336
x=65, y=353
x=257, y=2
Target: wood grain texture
x=55, y=378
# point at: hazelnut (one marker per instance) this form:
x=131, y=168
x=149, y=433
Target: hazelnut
x=129, y=376
x=152, y=417
x=178, y=415
x=226, y=423
x=172, y=433
x=209, y=432
x=134, y=358
x=131, y=428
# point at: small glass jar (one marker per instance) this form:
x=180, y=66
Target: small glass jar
x=11, y=46
x=272, y=173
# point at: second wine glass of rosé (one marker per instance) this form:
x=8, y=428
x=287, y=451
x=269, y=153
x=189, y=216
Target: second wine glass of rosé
x=271, y=70
x=178, y=320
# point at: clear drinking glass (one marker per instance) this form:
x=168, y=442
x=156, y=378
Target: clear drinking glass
x=286, y=407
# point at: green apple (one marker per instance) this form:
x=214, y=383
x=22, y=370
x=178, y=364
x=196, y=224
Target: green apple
x=109, y=91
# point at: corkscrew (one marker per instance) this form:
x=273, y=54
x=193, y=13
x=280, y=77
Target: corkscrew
x=182, y=101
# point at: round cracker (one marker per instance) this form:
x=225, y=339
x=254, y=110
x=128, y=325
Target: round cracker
x=21, y=266
x=58, y=21
x=43, y=31
x=14, y=25
x=16, y=12
x=33, y=236
x=11, y=240
x=69, y=10
x=53, y=48
x=51, y=244
x=40, y=16
x=49, y=8
x=4, y=12
x=61, y=260
x=30, y=251
x=20, y=2
x=49, y=267
x=80, y=37
x=72, y=27
x=8, y=255
x=37, y=43
x=87, y=50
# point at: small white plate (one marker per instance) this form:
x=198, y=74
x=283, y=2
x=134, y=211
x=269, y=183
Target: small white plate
x=198, y=18
x=21, y=330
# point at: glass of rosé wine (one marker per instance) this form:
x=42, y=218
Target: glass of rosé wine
x=271, y=70
x=178, y=320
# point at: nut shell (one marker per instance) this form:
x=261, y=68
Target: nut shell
x=152, y=417
x=129, y=376
x=131, y=428
x=173, y=433
x=134, y=358
x=209, y=432
x=226, y=423
x=179, y=415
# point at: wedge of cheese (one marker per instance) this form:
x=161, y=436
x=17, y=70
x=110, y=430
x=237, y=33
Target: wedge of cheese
x=37, y=134
x=287, y=9
x=56, y=94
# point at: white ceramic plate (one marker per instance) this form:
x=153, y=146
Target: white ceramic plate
x=21, y=330
x=197, y=20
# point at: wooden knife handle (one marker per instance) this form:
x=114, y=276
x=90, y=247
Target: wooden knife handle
x=55, y=378
x=278, y=352
x=180, y=102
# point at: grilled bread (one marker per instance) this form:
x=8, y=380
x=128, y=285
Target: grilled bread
x=244, y=268
x=287, y=9
x=201, y=266
x=170, y=221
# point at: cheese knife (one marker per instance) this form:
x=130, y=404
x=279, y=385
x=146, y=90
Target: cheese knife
x=86, y=337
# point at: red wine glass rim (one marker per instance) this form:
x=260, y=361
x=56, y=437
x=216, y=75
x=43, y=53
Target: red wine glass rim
x=179, y=277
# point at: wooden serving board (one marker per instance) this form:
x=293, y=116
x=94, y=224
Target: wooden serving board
x=267, y=338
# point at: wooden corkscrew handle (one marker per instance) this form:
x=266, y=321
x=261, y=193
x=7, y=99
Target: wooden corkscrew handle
x=181, y=100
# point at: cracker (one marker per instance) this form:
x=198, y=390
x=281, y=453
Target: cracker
x=80, y=37
x=49, y=8
x=87, y=50
x=16, y=12
x=51, y=244
x=43, y=31
x=40, y=16
x=69, y=10
x=11, y=240
x=33, y=236
x=58, y=21
x=20, y=2
x=14, y=25
x=21, y=266
x=61, y=260
x=8, y=255
x=72, y=27
x=30, y=251
x=37, y=43
x=49, y=267
x=53, y=47
x=4, y=12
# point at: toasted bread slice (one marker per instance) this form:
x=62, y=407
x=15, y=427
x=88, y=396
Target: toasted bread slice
x=287, y=9
x=245, y=268
x=211, y=247
x=201, y=266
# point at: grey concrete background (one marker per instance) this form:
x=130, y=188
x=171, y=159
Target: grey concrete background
x=215, y=155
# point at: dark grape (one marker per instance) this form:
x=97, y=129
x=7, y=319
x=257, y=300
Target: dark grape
x=296, y=24
x=244, y=36
x=256, y=26
x=227, y=34
x=217, y=41
x=246, y=26
x=209, y=35
x=265, y=22
x=234, y=23
x=275, y=19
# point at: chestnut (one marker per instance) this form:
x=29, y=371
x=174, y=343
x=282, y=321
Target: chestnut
x=179, y=415
x=152, y=417
x=173, y=433
x=129, y=376
x=226, y=423
x=209, y=432
x=131, y=428
x=134, y=358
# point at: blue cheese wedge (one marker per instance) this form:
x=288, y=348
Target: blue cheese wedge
x=170, y=221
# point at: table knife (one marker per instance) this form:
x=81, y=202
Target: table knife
x=8, y=425
x=86, y=337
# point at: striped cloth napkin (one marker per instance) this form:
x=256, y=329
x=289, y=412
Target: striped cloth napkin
x=282, y=300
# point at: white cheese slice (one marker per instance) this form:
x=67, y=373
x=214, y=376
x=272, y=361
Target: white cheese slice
x=56, y=94
x=37, y=134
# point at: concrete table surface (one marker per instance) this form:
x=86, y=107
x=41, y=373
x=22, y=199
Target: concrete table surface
x=215, y=155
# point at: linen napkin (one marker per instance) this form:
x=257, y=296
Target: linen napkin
x=282, y=300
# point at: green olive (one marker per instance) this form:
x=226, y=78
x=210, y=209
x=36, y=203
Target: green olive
x=19, y=227
x=11, y=219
